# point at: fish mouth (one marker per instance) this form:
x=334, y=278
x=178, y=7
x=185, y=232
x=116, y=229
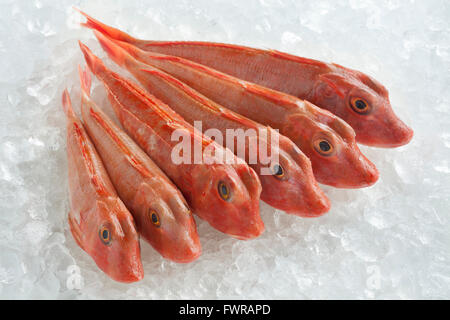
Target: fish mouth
x=247, y=223
x=319, y=206
x=311, y=203
x=396, y=141
x=251, y=232
x=134, y=272
x=241, y=221
x=135, y=277
x=193, y=254
x=401, y=136
x=392, y=134
x=354, y=172
x=365, y=175
x=372, y=175
x=369, y=175
x=187, y=252
x=253, y=227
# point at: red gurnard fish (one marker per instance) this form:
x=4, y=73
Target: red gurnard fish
x=225, y=195
x=354, y=96
x=326, y=139
x=159, y=209
x=288, y=184
x=99, y=221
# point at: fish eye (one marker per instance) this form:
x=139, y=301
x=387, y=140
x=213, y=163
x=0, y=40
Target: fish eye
x=360, y=105
x=277, y=171
x=324, y=147
x=224, y=191
x=154, y=218
x=105, y=235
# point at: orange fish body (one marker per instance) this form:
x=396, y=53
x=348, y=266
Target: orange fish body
x=159, y=209
x=292, y=189
x=326, y=139
x=99, y=221
x=226, y=195
x=351, y=95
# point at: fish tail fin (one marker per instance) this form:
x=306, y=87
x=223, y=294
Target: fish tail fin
x=105, y=29
x=132, y=49
x=94, y=63
x=67, y=104
x=85, y=80
x=118, y=54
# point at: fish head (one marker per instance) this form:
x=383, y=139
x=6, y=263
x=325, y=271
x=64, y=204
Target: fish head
x=166, y=221
x=286, y=176
x=329, y=142
x=115, y=242
x=227, y=196
x=364, y=104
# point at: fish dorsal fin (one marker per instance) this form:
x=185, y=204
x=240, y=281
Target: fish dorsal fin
x=173, y=121
x=144, y=123
x=272, y=95
x=263, y=92
x=132, y=159
x=195, y=66
x=204, y=101
x=82, y=139
x=147, y=100
x=287, y=56
x=185, y=88
x=201, y=43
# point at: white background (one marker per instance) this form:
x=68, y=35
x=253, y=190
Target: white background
x=388, y=241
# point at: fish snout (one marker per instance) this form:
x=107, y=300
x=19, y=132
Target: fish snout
x=390, y=133
x=130, y=268
x=318, y=204
x=402, y=134
x=239, y=219
x=352, y=171
x=371, y=174
x=254, y=225
x=188, y=250
x=135, y=275
x=247, y=223
x=239, y=216
x=193, y=251
x=311, y=202
x=364, y=174
x=251, y=230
